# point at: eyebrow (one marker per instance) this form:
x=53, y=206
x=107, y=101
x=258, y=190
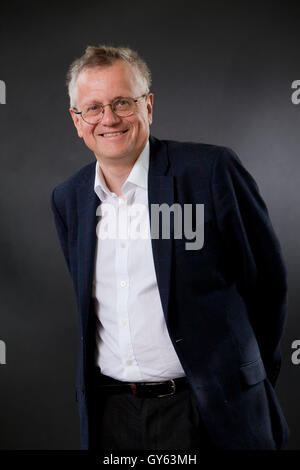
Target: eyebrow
x=100, y=102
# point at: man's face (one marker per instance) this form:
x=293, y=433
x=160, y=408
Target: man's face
x=103, y=85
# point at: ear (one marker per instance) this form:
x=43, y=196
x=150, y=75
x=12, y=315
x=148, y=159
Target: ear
x=149, y=107
x=77, y=122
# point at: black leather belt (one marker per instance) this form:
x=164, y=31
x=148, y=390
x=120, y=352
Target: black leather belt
x=143, y=389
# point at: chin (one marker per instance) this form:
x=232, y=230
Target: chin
x=111, y=153
x=114, y=150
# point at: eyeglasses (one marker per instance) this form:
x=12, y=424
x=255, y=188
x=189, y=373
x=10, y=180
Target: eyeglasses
x=122, y=107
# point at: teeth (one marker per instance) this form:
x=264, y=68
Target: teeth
x=113, y=134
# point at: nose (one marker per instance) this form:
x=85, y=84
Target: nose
x=109, y=118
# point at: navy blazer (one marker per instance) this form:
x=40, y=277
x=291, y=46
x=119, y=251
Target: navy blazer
x=224, y=304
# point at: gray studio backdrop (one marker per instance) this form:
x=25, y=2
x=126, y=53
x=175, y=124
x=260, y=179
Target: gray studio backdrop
x=222, y=74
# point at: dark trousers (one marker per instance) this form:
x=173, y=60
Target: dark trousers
x=126, y=422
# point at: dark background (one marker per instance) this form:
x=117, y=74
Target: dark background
x=222, y=74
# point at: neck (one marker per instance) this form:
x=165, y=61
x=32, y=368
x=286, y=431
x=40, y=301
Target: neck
x=115, y=176
x=116, y=170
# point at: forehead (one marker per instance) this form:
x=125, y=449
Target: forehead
x=107, y=82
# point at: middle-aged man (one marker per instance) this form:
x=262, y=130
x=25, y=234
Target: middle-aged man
x=179, y=344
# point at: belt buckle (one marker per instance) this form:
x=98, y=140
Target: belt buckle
x=172, y=392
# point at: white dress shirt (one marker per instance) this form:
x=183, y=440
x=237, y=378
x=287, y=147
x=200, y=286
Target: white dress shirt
x=133, y=343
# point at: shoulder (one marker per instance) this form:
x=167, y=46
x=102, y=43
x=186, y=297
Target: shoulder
x=199, y=157
x=69, y=187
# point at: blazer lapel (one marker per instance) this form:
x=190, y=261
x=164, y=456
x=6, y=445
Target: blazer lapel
x=160, y=191
x=87, y=203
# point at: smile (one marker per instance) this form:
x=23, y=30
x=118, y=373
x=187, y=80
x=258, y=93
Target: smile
x=113, y=134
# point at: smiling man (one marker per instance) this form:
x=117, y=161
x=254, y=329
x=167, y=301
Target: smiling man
x=178, y=349
x=121, y=135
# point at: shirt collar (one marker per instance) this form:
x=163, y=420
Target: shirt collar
x=137, y=177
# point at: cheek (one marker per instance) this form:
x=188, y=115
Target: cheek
x=89, y=139
x=83, y=130
x=88, y=133
x=142, y=123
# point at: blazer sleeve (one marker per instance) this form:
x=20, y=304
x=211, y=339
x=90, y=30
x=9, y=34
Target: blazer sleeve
x=253, y=253
x=61, y=229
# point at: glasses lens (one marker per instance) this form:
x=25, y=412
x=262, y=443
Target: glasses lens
x=92, y=114
x=123, y=106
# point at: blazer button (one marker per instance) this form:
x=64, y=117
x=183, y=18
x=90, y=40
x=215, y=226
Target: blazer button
x=81, y=338
x=82, y=390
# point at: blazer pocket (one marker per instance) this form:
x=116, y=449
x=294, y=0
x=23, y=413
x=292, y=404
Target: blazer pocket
x=253, y=372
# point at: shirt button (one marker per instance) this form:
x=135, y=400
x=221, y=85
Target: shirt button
x=124, y=322
x=123, y=283
x=123, y=245
x=129, y=362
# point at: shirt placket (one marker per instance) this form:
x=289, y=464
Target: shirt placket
x=122, y=244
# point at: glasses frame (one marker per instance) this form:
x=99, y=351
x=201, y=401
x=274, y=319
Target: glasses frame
x=111, y=104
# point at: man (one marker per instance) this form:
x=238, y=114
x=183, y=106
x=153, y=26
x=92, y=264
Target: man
x=179, y=347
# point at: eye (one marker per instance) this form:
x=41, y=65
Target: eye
x=92, y=110
x=122, y=103
x=94, y=107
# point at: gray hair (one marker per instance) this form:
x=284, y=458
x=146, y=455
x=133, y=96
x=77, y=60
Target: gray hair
x=103, y=56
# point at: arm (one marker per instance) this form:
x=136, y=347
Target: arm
x=61, y=229
x=252, y=253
